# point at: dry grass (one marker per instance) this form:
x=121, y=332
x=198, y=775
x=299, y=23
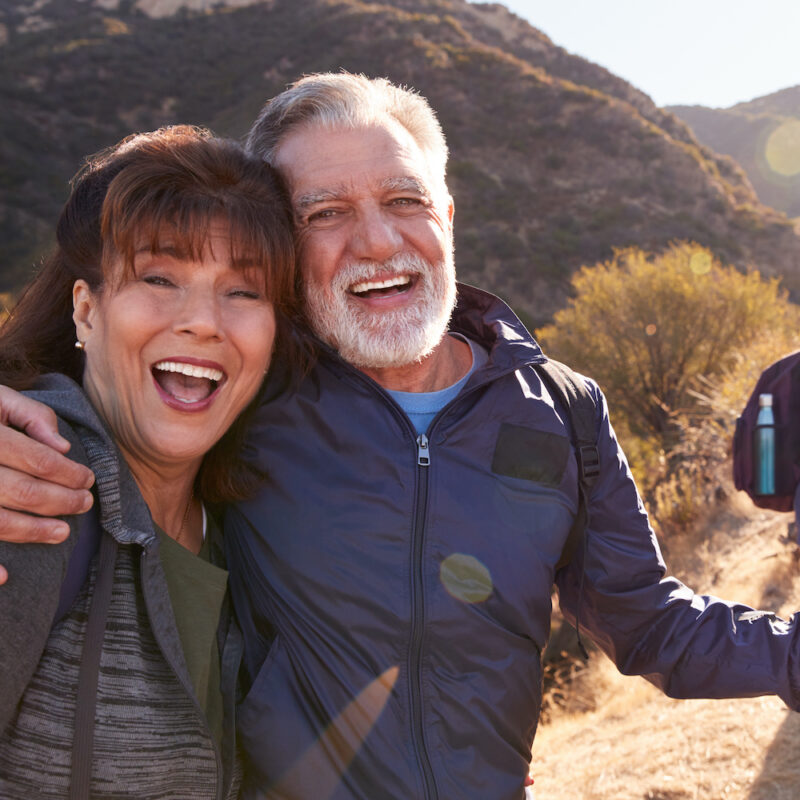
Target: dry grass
x=6, y=303
x=636, y=744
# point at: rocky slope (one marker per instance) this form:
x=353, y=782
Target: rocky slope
x=555, y=161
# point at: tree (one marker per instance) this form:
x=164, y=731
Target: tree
x=646, y=326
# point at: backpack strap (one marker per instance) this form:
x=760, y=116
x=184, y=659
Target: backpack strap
x=86, y=547
x=570, y=389
x=83, y=738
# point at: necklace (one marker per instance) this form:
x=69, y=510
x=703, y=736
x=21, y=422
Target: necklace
x=185, y=517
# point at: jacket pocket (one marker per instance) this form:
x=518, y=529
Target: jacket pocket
x=257, y=687
x=529, y=454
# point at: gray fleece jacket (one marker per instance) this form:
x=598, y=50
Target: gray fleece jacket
x=151, y=738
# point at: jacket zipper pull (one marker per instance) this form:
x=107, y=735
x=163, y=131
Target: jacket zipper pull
x=423, y=453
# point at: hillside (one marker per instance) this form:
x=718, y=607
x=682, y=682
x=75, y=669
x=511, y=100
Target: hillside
x=785, y=103
x=763, y=136
x=555, y=161
x=618, y=738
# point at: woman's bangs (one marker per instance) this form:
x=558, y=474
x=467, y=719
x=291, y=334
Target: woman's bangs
x=185, y=234
x=250, y=245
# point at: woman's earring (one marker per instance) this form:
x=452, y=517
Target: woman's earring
x=79, y=345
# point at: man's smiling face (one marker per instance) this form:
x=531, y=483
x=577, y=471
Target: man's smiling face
x=374, y=229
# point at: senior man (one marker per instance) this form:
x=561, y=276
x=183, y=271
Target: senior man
x=393, y=577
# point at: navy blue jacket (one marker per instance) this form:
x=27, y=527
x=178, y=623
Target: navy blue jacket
x=395, y=593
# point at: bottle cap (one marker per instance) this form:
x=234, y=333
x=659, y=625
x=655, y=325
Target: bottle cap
x=764, y=400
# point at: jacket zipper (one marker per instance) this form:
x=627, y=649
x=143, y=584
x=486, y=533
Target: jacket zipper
x=423, y=461
x=418, y=617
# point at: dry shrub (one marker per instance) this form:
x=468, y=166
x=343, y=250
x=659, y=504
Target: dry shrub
x=562, y=690
x=644, y=325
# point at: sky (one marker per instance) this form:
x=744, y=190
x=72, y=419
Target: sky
x=714, y=53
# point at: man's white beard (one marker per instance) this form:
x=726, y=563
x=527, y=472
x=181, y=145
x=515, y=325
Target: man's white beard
x=392, y=338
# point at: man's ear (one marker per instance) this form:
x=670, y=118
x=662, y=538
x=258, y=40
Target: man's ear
x=451, y=209
x=84, y=310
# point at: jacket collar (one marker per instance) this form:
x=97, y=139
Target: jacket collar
x=488, y=321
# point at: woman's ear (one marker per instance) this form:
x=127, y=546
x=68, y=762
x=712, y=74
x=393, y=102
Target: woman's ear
x=84, y=305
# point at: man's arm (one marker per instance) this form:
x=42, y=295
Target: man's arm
x=36, y=478
x=688, y=645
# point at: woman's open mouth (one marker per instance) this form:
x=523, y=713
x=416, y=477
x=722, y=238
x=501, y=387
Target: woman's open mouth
x=187, y=386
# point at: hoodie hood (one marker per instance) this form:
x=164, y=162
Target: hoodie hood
x=116, y=488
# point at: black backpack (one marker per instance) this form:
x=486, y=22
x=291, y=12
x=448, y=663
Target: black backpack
x=782, y=381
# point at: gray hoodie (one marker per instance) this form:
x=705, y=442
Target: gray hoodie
x=151, y=738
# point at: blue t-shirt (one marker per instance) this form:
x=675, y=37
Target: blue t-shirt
x=422, y=407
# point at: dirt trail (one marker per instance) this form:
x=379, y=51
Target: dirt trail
x=639, y=745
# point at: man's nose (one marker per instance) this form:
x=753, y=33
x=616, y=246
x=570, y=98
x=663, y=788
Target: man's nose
x=375, y=236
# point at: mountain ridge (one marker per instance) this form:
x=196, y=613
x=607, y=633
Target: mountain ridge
x=763, y=135
x=554, y=161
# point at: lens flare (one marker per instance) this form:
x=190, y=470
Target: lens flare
x=466, y=578
x=700, y=262
x=782, y=150
x=318, y=772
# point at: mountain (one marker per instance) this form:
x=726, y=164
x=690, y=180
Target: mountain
x=555, y=161
x=763, y=135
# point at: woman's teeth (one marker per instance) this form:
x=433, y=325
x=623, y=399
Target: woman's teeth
x=191, y=370
x=186, y=383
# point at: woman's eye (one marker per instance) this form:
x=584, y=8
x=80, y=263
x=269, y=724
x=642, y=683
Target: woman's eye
x=249, y=294
x=157, y=280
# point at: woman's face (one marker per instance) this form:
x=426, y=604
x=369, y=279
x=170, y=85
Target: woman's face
x=175, y=353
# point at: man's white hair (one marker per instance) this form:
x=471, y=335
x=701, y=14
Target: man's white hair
x=342, y=99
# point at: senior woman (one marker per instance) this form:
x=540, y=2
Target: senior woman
x=173, y=274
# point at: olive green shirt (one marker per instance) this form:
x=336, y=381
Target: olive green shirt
x=196, y=591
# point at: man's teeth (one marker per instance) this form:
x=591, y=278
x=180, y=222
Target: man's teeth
x=367, y=286
x=191, y=370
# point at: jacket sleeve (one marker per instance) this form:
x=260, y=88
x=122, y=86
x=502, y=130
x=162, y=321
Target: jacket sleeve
x=28, y=603
x=688, y=645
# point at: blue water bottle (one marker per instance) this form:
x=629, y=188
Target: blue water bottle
x=765, y=446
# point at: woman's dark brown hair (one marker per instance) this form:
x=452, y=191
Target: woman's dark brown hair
x=175, y=180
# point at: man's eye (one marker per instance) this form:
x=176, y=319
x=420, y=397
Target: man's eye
x=323, y=214
x=407, y=201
